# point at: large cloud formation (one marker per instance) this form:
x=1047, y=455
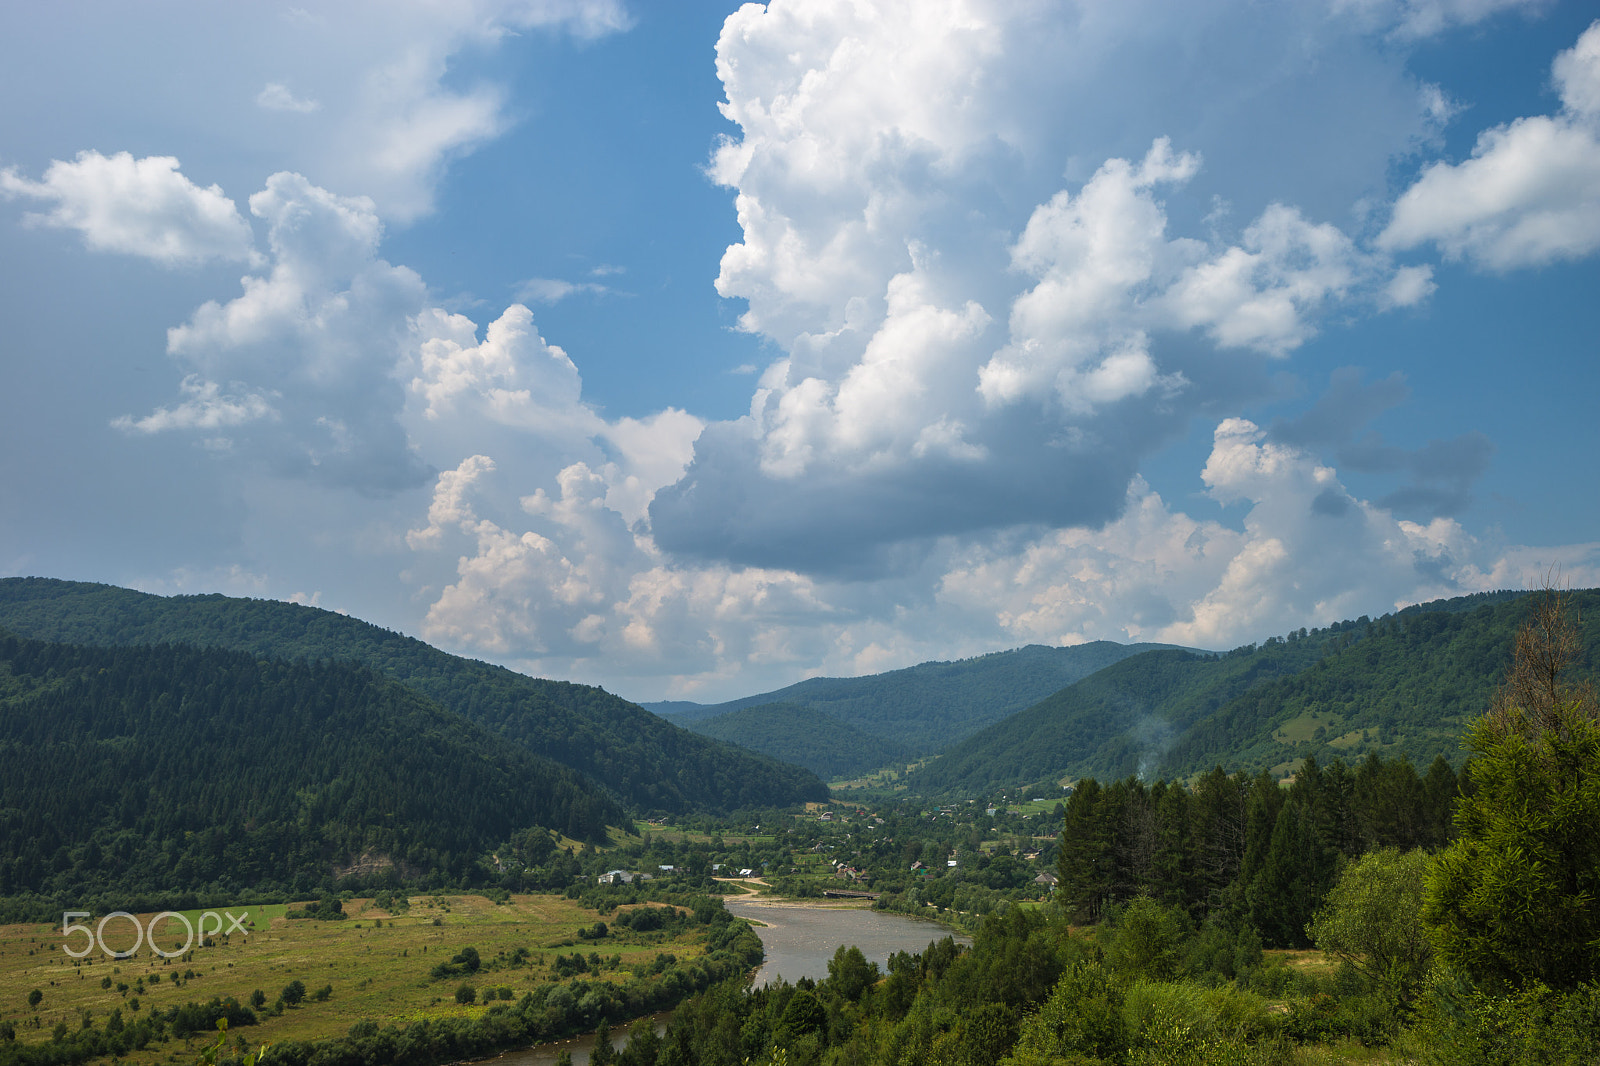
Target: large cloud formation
x=954, y=364
x=989, y=302
x=945, y=457
x=300, y=365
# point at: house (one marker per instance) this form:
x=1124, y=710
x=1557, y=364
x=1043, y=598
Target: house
x=1047, y=878
x=615, y=877
x=748, y=871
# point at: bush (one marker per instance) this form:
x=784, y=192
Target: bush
x=466, y=994
x=1083, y=1017
x=1147, y=941
x=1535, y=1027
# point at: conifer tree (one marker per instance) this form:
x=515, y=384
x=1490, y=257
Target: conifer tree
x=1515, y=901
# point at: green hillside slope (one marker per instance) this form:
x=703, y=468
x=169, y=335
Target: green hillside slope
x=926, y=708
x=804, y=736
x=141, y=770
x=650, y=763
x=1405, y=685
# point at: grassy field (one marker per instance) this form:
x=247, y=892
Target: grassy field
x=377, y=963
x=667, y=833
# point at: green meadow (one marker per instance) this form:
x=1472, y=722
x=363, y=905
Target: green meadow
x=379, y=966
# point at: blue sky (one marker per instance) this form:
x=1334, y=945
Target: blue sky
x=692, y=350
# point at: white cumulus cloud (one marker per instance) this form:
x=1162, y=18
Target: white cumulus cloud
x=322, y=332
x=1309, y=553
x=1530, y=194
x=144, y=207
x=565, y=586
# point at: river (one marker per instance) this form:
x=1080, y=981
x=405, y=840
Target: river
x=799, y=941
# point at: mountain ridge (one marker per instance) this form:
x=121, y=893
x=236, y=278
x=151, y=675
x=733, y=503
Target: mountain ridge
x=146, y=769
x=1405, y=684
x=926, y=707
x=649, y=763
x=804, y=736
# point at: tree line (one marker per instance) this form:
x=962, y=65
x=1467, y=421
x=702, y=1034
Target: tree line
x=1240, y=849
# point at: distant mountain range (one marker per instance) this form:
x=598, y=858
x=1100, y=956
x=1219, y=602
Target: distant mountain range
x=806, y=737
x=902, y=714
x=645, y=762
x=1404, y=684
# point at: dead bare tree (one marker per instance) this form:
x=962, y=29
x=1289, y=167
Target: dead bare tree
x=1536, y=689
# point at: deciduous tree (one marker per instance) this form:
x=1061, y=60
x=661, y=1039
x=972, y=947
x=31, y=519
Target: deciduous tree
x=1372, y=918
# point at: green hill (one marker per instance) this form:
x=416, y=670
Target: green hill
x=926, y=708
x=140, y=770
x=650, y=763
x=804, y=736
x=1404, y=685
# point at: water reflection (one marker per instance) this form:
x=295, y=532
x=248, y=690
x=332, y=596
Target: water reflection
x=800, y=940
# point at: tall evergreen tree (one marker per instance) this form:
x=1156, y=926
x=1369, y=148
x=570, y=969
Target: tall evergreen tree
x=1083, y=860
x=1516, y=899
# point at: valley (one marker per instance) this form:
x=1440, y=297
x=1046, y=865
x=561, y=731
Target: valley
x=445, y=859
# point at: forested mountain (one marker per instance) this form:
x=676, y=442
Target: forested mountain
x=1403, y=685
x=651, y=764
x=928, y=707
x=142, y=770
x=804, y=736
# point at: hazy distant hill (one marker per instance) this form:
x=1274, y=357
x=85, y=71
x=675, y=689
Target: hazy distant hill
x=651, y=764
x=806, y=737
x=139, y=770
x=1406, y=684
x=926, y=708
